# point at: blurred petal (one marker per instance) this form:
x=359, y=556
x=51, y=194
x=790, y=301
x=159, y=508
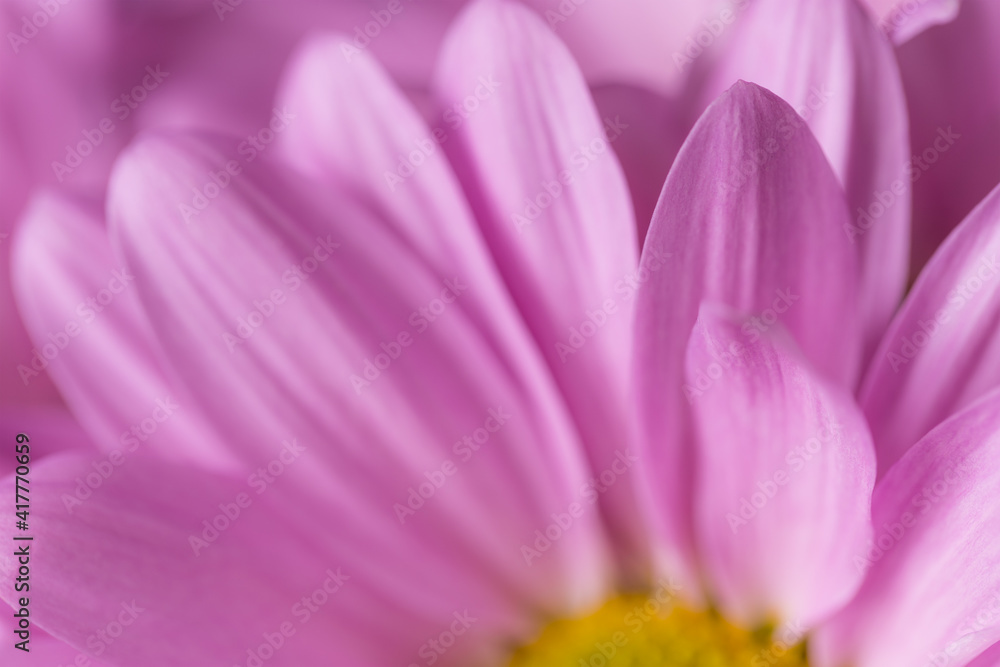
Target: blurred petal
x=129, y=556
x=934, y=565
x=768, y=242
x=536, y=163
x=785, y=475
x=294, y=315
x=942, y=352
x=954, y=133
x=92, y=337
x=830, y=62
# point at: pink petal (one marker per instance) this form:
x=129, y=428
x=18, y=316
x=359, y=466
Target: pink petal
x=769, y=243
x=942, y=351
x=785, y=474
x=933, y=565
x=536, y=162
x=128, y=542
x=140, y=552
x=353, y=126
x=92, y=337
x=954, y=136
x=290, y=314
x=830, y=62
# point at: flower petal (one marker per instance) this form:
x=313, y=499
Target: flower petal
x=175, y=553
x=829, y=61
x=768, y=243
x=954, y=134
x=291, y=314
x=87, y=324
x=942, y=351
x=536, y=163
x=128, y=544
x=352, y=126
x=785, y=470
x=932, y=568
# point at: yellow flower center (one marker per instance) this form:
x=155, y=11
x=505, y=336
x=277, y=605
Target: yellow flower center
x=647, y=631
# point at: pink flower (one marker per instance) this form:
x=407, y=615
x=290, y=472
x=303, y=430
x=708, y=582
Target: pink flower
x=402, y=392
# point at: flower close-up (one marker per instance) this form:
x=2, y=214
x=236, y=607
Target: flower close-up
x=500, y=333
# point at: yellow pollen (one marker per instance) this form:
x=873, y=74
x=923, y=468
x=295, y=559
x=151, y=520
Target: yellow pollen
x=639, y=631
